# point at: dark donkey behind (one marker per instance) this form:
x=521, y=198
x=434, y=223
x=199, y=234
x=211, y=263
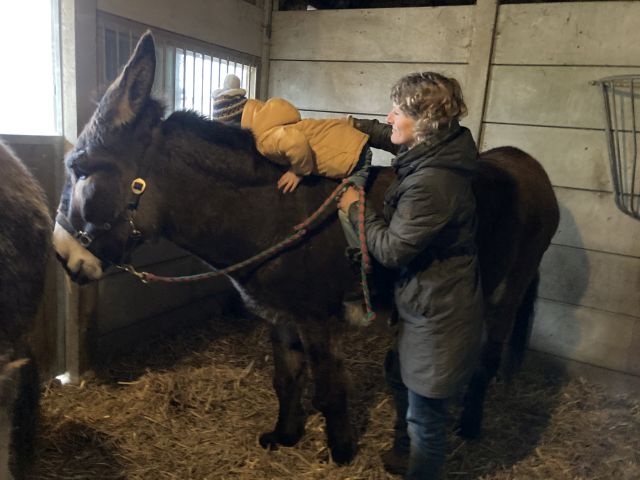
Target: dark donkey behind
x=209, y=191
x=25, y=244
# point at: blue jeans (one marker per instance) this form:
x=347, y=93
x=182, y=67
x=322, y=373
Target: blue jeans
x=420, y=428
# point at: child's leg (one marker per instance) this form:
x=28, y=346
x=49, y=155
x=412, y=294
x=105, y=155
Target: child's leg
x=349, y=232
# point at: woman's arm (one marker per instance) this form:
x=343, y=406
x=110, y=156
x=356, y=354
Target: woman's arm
x=379, y=133
x=419, y=216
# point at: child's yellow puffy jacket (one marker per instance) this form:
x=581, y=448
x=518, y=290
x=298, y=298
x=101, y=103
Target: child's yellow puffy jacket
x=327, y=147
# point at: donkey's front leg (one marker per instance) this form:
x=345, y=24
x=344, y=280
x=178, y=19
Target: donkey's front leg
x=289, y=362
x=323, y=342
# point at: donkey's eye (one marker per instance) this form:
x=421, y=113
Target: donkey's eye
x=80, y=173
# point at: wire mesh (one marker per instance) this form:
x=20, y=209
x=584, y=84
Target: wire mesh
x=620, y=95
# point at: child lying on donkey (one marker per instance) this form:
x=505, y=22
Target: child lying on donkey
x=326, y=147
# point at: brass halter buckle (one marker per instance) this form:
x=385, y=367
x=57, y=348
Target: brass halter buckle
x=138, y=186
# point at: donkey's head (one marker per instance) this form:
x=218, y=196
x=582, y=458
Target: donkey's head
x=105, y=208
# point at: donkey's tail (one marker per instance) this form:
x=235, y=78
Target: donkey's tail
x=521, y=329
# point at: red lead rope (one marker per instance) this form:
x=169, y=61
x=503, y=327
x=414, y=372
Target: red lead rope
x=365, y=262
x=299, y=231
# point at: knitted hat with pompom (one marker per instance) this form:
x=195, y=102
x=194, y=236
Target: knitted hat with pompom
x=229, y=100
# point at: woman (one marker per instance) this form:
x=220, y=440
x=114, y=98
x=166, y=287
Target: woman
x=427, y=235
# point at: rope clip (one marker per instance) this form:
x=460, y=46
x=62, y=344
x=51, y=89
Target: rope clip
x=142, y=276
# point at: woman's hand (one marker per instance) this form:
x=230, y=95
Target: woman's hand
x=349, y=196
x=288, y=182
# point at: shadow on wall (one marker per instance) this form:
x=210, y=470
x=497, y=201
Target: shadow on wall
x=519, y=413
x=564, y=279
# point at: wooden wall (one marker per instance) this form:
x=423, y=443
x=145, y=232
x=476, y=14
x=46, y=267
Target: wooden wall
x=335, y=62
x=234, y=24
x=537, y=97
x=540, y=98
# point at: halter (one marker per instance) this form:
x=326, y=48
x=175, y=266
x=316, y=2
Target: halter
x=90, y=231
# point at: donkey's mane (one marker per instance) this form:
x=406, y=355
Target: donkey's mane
x=212, y=131
x=247, y=163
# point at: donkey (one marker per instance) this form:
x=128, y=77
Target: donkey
x=134, y=177
x=25, y=244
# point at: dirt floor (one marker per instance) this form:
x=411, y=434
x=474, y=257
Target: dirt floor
x=193, y=406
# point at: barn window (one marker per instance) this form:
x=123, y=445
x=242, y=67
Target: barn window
x=29, y=85
x=187, y=70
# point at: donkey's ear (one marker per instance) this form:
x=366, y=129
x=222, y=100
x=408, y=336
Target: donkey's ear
x=128, y=93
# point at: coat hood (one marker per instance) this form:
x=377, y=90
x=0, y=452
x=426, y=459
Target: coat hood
x=453, y=148
x=262, y=116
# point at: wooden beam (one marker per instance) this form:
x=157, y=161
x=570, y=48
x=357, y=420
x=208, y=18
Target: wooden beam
x=478, y=68
x=265, y=59
x=79, y=87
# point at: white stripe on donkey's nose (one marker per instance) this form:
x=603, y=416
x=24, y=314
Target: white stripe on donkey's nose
x=79, y=259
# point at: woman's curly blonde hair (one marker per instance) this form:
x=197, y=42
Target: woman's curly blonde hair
x=431, y=99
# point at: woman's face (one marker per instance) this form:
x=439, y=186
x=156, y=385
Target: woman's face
x=402, y=132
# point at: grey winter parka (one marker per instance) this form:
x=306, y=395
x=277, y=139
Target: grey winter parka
x=428, y=236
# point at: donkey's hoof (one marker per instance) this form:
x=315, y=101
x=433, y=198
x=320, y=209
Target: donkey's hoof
x=271, y=440
x=344, y=454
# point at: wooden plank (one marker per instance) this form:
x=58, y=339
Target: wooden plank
x=593, y=279
x=124, y=339
x=586, y=335
x=42, y=156
x=344, y=87
x=617, y=383
x=150, y=254
x=440, y=34
x=229, y=23
x=634, y=354
x=484, y=23
x=596, y=33
x=572, y=158
x=123, y=299
x=591, y=220
x=553, y=96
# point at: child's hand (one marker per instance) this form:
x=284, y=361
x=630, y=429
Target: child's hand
x=288, y=182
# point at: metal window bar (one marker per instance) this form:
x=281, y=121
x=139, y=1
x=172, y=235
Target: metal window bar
x=179, y=83
x=620, y=94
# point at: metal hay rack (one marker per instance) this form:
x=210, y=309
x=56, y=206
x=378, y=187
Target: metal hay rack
x=621, y=96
